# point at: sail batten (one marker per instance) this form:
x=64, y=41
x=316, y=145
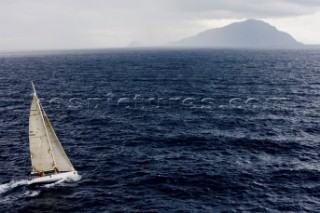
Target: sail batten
x=46, y=150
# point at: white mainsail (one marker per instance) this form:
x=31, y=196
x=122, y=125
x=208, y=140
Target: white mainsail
x=45, y=148
x=41, y=156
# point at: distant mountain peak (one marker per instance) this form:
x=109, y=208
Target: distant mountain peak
x=251, y=23
x=134, y=44
x=254, y=21
x=250, y=33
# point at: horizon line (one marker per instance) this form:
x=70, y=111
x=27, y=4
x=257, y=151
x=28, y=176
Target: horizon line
x=303, y=46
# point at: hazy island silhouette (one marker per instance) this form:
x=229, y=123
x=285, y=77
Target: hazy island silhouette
x=246, y=34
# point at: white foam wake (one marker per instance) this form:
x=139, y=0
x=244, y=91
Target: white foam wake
x=69, y=179
x=11, y=185
x=73, y=178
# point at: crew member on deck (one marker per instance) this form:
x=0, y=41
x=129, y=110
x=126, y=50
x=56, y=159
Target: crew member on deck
x=57, y=170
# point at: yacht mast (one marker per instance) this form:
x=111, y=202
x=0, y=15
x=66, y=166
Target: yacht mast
x=44, y=124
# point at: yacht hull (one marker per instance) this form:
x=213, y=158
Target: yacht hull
x=52, y=178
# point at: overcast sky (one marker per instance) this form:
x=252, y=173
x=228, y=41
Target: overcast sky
x=73, y=24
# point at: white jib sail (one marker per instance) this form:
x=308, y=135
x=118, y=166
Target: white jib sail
x=62, y=161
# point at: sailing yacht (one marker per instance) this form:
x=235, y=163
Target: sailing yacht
x=48, y=158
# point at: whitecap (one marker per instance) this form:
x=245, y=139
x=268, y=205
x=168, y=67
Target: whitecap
x=31, y=193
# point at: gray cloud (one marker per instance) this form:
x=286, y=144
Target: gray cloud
x=252, y=8
x=311, y=3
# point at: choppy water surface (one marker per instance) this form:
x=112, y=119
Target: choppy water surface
x=167, y=130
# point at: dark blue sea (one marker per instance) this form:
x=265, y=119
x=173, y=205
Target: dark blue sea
x=193, y=130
